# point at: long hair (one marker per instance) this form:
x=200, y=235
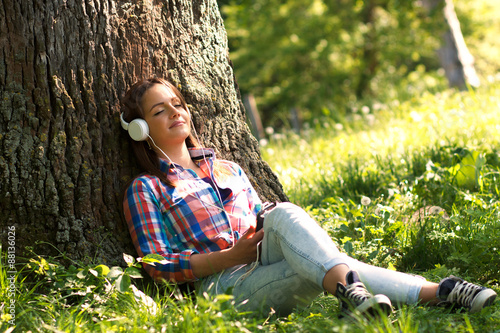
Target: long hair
x=131, y=109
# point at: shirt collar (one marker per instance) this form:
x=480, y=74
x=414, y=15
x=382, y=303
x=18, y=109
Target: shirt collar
x=201, y=153
x=197, y=154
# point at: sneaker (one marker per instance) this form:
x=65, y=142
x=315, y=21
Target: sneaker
x=459, y=293
x=354, y=297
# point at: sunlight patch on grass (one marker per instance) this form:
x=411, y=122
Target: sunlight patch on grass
x=456, y=119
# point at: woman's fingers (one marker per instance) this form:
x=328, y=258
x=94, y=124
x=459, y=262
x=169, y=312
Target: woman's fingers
x=254, y=236
x=259, y=235
x=249, y=233
x=246, y=247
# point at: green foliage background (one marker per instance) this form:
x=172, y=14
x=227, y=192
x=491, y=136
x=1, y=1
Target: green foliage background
x=428, y=152
x=323, y=56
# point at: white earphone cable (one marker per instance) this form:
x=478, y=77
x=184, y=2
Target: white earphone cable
x=206, y=162
x=253, y=265
x=178, y=175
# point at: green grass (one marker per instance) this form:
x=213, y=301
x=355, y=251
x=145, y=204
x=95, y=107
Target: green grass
x=403, y=154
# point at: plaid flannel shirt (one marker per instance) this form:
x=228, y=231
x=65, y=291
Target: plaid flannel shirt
x=176, y=222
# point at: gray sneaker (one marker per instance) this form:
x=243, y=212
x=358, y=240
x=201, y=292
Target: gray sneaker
x=354, y=297
x=459, y=293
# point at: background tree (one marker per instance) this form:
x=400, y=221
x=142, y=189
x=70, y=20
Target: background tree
x=454, y=54
x=64, y=66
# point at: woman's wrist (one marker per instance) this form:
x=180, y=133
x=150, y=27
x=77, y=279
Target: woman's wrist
x=229, y=257
x=204, y=264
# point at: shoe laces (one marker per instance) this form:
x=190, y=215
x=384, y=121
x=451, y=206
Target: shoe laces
x=464, y=293
x=357, y=292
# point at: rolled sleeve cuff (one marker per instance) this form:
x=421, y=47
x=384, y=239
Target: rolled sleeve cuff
x=185, y=265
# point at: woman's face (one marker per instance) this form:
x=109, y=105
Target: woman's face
x=168, y=120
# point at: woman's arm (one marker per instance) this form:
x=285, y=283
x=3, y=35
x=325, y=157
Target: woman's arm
x=244, y=251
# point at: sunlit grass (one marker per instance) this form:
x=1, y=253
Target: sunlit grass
x=394, y=132
x=404, y=156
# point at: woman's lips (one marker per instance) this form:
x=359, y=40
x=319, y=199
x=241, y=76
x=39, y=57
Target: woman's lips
x=177, y=123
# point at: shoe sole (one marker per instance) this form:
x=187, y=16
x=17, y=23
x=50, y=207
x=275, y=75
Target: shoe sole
x=376, y=305
x=485, y=298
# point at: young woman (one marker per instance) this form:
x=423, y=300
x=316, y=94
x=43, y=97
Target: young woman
x=199, y=213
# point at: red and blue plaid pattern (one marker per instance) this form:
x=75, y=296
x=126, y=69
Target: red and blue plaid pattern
x=190, y=218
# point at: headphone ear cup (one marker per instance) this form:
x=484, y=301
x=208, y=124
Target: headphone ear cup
x=138, y=129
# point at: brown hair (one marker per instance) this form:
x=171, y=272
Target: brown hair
x=131, y=109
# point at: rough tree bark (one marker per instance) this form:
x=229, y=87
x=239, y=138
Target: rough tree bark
x=64, y=66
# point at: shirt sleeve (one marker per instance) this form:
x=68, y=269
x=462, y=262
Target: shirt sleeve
x=146, y=225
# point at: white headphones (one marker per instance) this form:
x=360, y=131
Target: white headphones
x=137, y=129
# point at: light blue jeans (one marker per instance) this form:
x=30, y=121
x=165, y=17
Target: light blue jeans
x=296, y=254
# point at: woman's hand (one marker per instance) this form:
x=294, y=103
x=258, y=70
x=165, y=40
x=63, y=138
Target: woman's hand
x=244, y=250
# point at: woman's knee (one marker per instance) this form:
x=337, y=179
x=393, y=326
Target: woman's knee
x=287, y=206
x=284, y=212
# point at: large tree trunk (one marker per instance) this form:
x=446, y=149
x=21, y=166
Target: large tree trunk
x=64, y=66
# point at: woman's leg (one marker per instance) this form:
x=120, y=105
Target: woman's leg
x=290, y=233
x=290, y=272
x=298, y=261
x=401, y=288
x=276, y=286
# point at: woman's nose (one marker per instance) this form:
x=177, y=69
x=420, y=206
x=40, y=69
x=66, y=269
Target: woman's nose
x=173, y=112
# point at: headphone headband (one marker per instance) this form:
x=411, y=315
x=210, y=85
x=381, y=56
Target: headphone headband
x=123, y=122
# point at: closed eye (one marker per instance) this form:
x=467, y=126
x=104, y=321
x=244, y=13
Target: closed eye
x=176, y=102
x=158, y=112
